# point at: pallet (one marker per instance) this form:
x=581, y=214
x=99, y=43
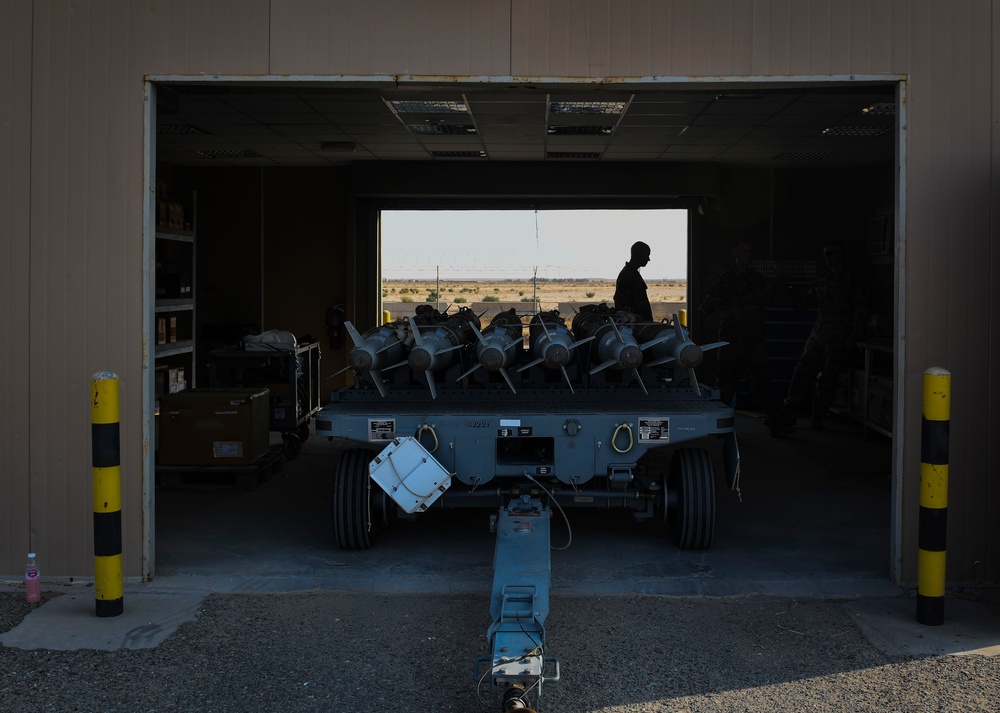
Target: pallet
x=244, y=477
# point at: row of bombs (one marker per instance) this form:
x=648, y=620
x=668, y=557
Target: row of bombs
x=432, y=341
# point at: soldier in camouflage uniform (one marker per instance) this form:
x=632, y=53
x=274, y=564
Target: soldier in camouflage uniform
x=742, y=294
x=842, y=300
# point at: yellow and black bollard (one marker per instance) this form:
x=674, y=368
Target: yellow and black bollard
x=932, y=536
x=106, y=461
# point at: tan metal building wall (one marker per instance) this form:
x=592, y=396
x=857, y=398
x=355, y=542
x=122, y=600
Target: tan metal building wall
x=72, y=168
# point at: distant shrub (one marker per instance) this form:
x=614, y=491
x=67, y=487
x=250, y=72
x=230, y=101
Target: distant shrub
x=589, y=295
x=460, y=300
x=527, y=299
x=491, y=298
x=406, y=299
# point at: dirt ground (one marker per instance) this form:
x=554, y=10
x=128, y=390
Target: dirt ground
x=550, y=294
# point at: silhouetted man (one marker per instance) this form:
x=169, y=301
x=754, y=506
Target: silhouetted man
x=630, y=288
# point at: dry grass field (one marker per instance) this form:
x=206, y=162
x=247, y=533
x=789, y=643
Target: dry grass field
x=550, y=295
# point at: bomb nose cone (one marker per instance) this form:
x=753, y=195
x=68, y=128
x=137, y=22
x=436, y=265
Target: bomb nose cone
x=420, y=359
x=631, y=357
x=691, y=356
x=361, y=360
x=556, y=355
x=491, y=358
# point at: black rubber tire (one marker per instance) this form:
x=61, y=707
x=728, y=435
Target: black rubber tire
x=291, y=446
x=303, y=432
x=691, y=484
x=353, y=528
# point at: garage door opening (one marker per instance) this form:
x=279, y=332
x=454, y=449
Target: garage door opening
x=531, y=260
x=297, y=208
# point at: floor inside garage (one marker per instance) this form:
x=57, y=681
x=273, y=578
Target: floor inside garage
x=813, y=520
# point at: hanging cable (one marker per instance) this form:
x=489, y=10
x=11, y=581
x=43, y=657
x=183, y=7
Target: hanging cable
x=553, y=500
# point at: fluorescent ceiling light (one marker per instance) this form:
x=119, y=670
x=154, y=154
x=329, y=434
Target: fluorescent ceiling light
x=437, y=128
x=227, y=153
x=581, y=130
x=880, y=109
x=458, y=154
x=587, y=107
x=856, y=130
x=585, y=155
x=429, y=107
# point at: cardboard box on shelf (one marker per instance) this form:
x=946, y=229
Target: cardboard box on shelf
x=162, y=378
x=173, y=328
x=214, y=427
x=161, y=330
x=176, y=381
x=176, y=215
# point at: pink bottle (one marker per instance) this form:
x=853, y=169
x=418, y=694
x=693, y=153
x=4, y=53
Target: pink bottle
x=32, y=581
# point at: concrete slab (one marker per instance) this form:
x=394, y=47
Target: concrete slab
x=891, y=625
x=812, y=520
x=68, y=622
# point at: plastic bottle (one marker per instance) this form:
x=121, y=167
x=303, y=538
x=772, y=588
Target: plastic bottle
x=32, y=581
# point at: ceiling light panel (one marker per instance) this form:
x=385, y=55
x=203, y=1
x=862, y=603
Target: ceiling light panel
x=587, y=107
x=434, y=128
x=576, y=155
x=458, y=154
x=178, y=129
x=880, y=109
x=412, y=106
x=227, y=153
x=856, y=130
x=580, y=130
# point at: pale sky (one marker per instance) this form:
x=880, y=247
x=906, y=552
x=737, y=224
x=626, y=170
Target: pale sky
x=511, y=244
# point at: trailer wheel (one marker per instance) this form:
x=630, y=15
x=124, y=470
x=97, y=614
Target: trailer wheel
x=354, y=528
x=291, y=446
x=691, y=499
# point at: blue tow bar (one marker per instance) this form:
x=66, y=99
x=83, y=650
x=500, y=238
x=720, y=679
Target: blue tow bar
x=520, y=602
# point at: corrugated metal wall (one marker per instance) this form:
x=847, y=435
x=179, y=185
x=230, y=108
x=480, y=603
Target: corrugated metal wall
x=15, y=173
x=78, y=195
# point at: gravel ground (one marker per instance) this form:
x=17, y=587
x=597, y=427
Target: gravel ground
x=326, y=651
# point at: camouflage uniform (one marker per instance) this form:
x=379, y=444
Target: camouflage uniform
x=842, y=300
x=630, y=293
x=742, y=295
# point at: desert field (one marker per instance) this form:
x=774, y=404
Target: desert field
x=405, y=294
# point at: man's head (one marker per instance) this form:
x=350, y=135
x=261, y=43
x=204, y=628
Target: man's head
x=833, y=253
x=742, y=252
x=640, y=254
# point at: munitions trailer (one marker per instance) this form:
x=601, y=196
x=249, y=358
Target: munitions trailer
x=526, y=415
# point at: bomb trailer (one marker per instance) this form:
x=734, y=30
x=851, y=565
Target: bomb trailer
x=526, y=418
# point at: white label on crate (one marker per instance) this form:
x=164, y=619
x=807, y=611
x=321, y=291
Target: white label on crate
x=383, y=429
x=228, y=449
x=654, y=429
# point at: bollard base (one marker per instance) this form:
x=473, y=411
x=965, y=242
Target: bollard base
x=110, y=607
x=930, y=610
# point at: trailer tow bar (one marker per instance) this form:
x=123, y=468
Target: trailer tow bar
x=519, y=604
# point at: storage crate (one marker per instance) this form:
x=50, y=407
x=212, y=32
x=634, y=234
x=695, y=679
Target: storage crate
x=213, y=427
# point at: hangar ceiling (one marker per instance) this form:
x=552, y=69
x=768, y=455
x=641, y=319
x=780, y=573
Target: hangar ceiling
x=299, y=124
